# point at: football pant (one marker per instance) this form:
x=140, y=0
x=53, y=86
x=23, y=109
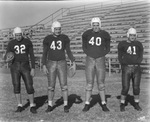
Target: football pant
x=57, y=68
x=18, y=70
x=131, y=73
x=95, y=67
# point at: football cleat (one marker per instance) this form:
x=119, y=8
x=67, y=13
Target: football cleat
x=104, y=108
x=19, y=109
x=137, y=107
x=49, y=109
x=66, y=109
x=122, y=107
x=86, y=107
x=33, y=110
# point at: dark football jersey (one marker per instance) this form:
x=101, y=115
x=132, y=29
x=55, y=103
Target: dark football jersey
x=96, y=44
x=22, y=49
x=130, y=52
x=54, y=48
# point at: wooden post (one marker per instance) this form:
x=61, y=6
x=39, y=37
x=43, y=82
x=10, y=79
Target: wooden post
x=7, y=66
x=40, y=64
x=109, y=62
x=2, y=46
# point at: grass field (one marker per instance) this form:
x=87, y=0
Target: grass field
x=76, y=101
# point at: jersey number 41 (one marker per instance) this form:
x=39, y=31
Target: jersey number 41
x=131, y=50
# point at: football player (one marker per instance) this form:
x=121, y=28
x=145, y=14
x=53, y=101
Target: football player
x=95, y=44
x=130, y=55
x=20, y=67
x=54, y=63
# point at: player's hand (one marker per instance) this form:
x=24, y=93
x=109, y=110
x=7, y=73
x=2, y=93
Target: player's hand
x=32, y=73
x=45, y=70
x=3, y=61
x=71, y=71
x=73, y=66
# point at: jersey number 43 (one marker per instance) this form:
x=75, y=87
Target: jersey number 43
x=56, y=45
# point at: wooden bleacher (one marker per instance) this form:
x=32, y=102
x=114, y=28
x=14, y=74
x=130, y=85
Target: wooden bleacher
x=116, y=19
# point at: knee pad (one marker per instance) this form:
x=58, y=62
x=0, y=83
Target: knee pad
x=51, y=88
x=101, y=87
x=64, y=88
x=89, y=87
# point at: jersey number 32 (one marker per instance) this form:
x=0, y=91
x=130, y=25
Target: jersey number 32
x=20, y=49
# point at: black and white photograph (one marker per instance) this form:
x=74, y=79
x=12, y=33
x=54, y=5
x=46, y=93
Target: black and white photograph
x=74, y=61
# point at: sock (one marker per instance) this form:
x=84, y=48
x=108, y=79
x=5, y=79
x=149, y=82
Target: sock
x=103, y=102
x=87, y=102
x=32, y=105
x=50, y=103
x=136, y=100
x=20, y=105
x=123, y=101
x=65, y=103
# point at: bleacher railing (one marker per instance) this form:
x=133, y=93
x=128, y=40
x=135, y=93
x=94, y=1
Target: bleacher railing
x=64, y=11
x=46, y=22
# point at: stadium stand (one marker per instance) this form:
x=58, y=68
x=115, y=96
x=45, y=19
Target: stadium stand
x=116, y=19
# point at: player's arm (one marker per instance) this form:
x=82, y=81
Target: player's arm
x=70, y=55
x=84, y=46
x=107, y=46
x=68, y=50
x=31, y=53
x=8, y=49
x=120, y=53
x=45, y=50
x=44, y=55
x=140, y=58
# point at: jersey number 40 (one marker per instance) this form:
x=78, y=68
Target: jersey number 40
x=97, y=41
